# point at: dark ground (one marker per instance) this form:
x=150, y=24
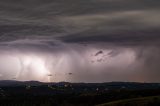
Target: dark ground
x=13, y=93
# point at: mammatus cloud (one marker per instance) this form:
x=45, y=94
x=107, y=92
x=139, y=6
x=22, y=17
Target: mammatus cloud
x=80, y=41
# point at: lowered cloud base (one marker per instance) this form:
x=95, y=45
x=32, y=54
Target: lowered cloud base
x=80, y=41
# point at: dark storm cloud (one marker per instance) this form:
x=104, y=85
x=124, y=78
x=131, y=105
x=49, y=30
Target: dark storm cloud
x=130, y=38
x=77, y=18
x=71, y=31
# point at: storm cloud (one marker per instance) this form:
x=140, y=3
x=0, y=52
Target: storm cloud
x=48, y=40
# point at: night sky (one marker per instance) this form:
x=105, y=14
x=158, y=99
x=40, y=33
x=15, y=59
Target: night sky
x=80, y=40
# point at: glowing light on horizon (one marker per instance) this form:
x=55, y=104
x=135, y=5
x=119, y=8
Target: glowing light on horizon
x=52, y=67
x=34, y=66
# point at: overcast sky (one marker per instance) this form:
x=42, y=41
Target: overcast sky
x=80, y=40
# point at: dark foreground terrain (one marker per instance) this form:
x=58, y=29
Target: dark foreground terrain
x=14, y=93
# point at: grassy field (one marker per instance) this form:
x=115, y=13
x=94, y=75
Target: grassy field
x=144, y=101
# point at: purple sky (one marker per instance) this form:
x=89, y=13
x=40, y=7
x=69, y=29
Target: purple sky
x=80, y=40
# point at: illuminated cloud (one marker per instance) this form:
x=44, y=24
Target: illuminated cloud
x=95, y=40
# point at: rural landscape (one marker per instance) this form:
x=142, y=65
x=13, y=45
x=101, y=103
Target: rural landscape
x=79, y=52
x=33, y=93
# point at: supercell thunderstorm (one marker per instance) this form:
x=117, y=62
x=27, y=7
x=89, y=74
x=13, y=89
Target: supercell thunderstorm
x=80, y=40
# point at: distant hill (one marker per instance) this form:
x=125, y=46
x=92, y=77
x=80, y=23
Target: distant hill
x=19, y=83
x=144, y=101
x=107, y=85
